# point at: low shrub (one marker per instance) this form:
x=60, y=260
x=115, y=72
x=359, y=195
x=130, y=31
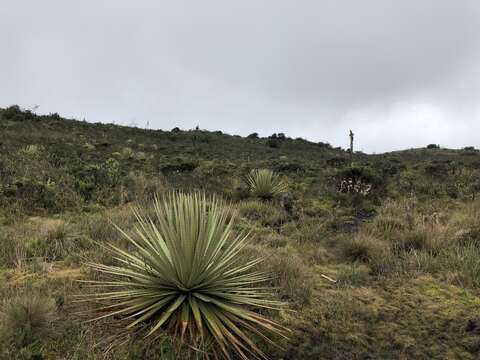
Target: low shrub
x=271, y=239
x=364, y=247
x=313, y=231
x=266, y=213
x=290, y=277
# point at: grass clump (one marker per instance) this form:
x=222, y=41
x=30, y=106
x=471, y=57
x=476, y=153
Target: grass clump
x=364, y=247
x=183, y=276
x=26, y=319
x=266, y=214
x=290, y=276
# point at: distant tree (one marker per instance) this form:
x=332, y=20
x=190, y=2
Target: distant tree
x=273, y=142
x=281, y=136
x=273, y=136
x=176, y=130
x=433, y=146
x=324, y=145
x=253, y=136
x=13, y=113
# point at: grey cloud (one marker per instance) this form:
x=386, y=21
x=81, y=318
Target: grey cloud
x=400, y=73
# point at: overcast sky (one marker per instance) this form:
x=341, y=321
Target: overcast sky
x=400, y=73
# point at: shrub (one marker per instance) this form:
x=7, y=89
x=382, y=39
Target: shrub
x=139, y=187
x=313, y=231
x=265, y=184
x=289, y=276
x=253, y=136
x=290, y=167
x=433, y=146
x=324, y=145
x=186, y=278
x=271, y=239
x=266, y=214
x=273, y=143
x=179, y=165
x=127, y=153
x=365, y=248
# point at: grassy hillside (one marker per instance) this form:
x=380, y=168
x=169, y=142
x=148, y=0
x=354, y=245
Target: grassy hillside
x=377, y=259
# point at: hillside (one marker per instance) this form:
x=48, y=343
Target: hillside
x=402, y=243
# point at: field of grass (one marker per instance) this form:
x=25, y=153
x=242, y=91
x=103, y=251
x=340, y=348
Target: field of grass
x=385, y=269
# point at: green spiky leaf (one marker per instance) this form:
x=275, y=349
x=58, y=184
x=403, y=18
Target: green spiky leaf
x=265, y=184
x=185, y=277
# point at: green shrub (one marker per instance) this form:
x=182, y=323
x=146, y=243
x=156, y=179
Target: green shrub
x=313, y=231
x=183, y=274
x=139, y=187
x=356, y=274
x=127, y=153
x=290, y=276
x=271, y=239
x=363, y=247
x=266, y=214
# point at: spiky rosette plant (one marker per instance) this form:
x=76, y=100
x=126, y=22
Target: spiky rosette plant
x=265, y=184
x=185, y=277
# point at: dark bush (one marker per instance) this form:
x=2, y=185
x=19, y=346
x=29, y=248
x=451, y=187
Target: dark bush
x=290, y=167
x=337, y=161
x=324, y=145
x=360, y=174
x=273, y=143
x=436, y=169
x=13, y=113
x=180, y=166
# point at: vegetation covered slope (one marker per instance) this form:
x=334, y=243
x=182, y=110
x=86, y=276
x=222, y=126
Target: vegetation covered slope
x=378, y=259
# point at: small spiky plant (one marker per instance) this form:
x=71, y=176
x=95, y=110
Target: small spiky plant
x=185, y=277
x=265, y=184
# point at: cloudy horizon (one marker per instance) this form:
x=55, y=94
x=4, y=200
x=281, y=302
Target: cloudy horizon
x=399, y=74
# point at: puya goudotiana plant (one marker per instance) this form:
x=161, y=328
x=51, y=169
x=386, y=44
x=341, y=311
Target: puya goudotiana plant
x=186, y=277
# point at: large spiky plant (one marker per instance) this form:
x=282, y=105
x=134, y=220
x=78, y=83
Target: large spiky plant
x=185, y=276
x=265, y=184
